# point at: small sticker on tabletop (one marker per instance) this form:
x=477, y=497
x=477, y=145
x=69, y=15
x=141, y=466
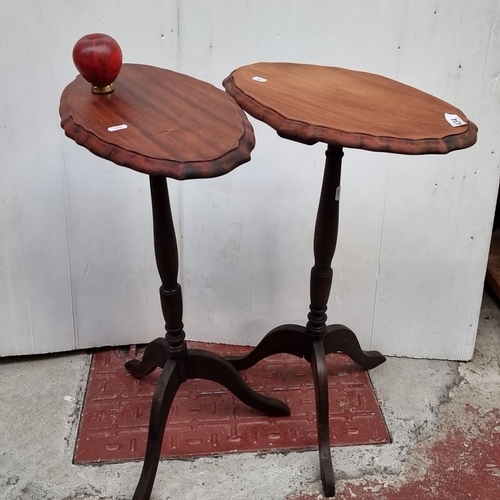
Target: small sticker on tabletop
x=454, y=120
x=259, y=79
x=114, y=128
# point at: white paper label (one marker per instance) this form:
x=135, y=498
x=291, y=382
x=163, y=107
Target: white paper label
x=259, y=79
x=337, y=194
x=117, y=127
x=454, y=120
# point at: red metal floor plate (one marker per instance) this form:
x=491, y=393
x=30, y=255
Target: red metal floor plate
x=206, y=419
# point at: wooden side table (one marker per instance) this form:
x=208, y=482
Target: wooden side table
x=341, y=108
x=166, y=124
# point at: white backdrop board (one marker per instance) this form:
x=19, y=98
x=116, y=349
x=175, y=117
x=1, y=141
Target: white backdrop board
x=76, y=256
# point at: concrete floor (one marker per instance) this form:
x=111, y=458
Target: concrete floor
x=444, y=418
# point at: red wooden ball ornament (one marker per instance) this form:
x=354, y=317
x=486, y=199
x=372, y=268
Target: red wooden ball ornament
x=98, y=58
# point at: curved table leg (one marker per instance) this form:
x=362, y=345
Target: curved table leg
x=289, y=339
x=165, y=390
x=155, y=356
x=320, y=377
x=339, y=338
x=209, y=366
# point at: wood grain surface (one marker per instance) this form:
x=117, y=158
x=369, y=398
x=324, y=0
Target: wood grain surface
x=177, y=126
x=310, y=104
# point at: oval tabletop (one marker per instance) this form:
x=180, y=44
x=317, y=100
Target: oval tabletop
x=159, y=122
x=310, y=104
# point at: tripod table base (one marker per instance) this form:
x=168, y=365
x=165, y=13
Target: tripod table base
x=294, y=339
x=195, y=364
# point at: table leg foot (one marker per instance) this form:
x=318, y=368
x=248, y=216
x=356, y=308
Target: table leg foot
x=164, y=394
x=339, y=338
x=155, y=356
x=210, y=366
x=289, y=339
x=320, y=377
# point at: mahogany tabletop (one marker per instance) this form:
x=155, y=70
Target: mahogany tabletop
x=159, y=122
x=342, y=107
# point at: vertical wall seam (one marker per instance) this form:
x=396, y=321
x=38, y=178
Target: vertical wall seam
x=28, y=302
x=76, y=337
x=377, y=279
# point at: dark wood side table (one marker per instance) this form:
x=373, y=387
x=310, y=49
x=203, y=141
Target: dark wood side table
x=166, y=124
x=341, y=108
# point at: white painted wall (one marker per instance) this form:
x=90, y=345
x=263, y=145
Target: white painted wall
x=76, y=258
